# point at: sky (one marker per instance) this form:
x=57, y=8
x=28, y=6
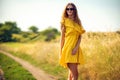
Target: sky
x=95, y=15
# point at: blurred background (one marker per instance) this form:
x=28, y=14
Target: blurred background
x=30, y=30
x=96, y=15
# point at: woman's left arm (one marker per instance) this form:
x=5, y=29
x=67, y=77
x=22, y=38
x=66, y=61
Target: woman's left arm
x=77, y=46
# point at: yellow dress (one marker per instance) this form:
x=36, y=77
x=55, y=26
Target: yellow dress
x=73, y=30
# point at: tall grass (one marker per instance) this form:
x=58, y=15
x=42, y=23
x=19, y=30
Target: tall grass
x=101, y=53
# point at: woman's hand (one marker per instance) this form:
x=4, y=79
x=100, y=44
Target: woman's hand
x=74, y=51
x=77, y=46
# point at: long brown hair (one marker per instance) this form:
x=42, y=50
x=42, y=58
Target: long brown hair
x=76, y=18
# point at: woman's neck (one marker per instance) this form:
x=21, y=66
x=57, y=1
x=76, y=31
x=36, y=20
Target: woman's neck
x=71, y=17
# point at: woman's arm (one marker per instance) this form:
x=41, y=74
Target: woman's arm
x=62, y=36
x=77, y=46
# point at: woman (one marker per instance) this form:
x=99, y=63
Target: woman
x=71, y=30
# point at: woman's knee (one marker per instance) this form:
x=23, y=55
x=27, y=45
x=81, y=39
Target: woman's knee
x=73, y=68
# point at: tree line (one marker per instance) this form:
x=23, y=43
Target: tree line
x=9, y=28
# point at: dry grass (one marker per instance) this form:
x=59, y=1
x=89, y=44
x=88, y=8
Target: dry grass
x=102, y=55
x=101, y=52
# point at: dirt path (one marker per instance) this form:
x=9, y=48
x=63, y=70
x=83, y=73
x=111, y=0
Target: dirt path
x=36, y=72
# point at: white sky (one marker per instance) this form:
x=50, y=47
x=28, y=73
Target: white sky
x=96, y=15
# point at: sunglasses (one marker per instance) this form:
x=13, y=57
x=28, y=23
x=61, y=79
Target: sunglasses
x=69, y=9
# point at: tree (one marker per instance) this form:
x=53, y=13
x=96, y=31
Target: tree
x=6, y=31
x=33, y=29
x=50, y=33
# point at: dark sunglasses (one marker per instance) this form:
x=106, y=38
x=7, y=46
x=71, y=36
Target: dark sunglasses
x=69, y=9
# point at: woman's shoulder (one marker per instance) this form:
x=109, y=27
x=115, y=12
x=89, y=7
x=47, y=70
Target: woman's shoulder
x=64, y=21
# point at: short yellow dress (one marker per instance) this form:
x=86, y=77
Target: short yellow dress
x=73, y=31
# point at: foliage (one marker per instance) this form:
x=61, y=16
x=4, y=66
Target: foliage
x=24, y=36
x=10, y=32
x=6, y=31
x=50, y=33
x=118, y=31
x=33, y=29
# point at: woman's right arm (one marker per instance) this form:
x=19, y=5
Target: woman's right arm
x=62, y=36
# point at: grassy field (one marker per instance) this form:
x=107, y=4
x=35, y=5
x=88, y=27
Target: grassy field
x=12, y=70
x=101, y=53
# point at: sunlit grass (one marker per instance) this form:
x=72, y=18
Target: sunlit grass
x=40, y=54
x=101, y=52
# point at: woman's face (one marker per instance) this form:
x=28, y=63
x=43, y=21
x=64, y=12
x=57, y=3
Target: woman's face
x=70, y=10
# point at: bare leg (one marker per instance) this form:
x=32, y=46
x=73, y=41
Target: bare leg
x=73, y=69
x=70, y=75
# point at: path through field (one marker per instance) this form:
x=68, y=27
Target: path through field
x=36, y=72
